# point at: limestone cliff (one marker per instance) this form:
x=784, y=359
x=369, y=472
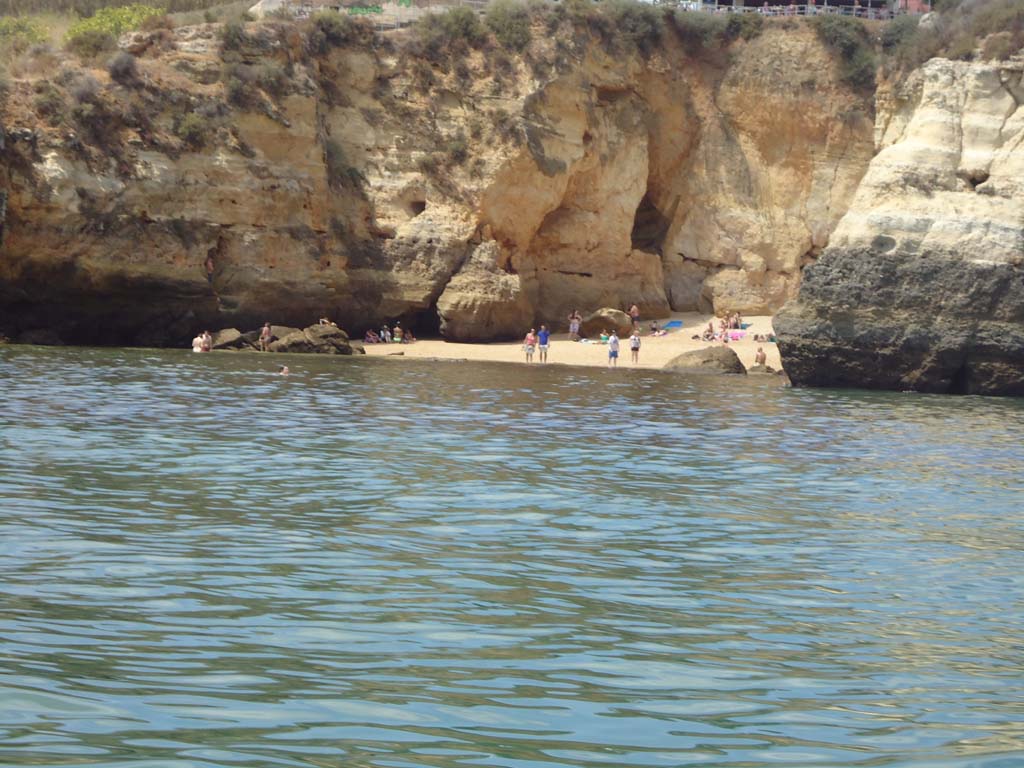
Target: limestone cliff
x=475, y=198
x=922, y=285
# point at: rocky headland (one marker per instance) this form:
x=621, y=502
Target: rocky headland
x=922, y=284
x=471, y=186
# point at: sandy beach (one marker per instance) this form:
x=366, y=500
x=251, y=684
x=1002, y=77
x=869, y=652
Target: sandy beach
x=654, y=352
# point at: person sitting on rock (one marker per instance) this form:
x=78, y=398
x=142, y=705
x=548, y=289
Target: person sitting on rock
x=326, y=321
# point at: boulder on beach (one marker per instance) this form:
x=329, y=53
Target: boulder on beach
x=606, y=319
x=762, y=369
x=710, y=360
x=228, y=338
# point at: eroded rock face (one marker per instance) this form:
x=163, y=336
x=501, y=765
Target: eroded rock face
x=922, y=286
x=667, y=181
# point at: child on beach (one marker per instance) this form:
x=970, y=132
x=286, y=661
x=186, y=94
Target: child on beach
x=613, y=350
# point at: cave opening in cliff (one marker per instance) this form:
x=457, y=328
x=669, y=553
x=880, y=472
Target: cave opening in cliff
x=960, y=382
x=649, y=227
x=425, y=324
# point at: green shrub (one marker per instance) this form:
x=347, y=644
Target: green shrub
x=850, y=43
x=49, y=102
x=510, y=23
x=998, y=47
x=457, y=149
x=97, y=120
x=91, y=43
x=123, y=68
x=194, y=130
x=233, y=36
x=638, y=23
x=428, y=164
x=340, y=174
x=699, y=31
x=329, y=29
x=85, y=89
x=441, y=35
x=745, y=25
x=5, y=88
x=19, y=33
x=240, y=93
x=159, y=21
x=113, y=22
x=271, y=78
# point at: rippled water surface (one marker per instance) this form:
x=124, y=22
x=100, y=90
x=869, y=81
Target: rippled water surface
x=381, y=563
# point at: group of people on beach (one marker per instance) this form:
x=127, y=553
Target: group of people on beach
x=728, y=326
x=396, y=335
x=541, y=340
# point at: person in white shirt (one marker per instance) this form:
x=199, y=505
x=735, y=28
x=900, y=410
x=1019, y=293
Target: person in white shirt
x=634, y=346
x=613, y=350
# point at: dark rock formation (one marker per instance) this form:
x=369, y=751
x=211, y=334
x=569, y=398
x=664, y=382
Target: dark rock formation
x=714, y=360
x=906, y=320
x=323, y=339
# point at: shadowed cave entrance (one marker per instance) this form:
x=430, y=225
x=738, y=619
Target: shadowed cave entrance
x=649, y=227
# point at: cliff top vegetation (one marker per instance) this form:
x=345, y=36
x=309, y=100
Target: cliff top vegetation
x=960, y=30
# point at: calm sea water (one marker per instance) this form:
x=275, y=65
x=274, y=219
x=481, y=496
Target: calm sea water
x=379, y=563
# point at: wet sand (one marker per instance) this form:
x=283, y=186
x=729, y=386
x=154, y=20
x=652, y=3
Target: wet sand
x=654, y=352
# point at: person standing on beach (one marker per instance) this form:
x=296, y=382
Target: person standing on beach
x=529, y=344
x=634, y=314
x=543, y=340
x=574, y=325
x=634, y=346
x=266, y=335
x=613, y=350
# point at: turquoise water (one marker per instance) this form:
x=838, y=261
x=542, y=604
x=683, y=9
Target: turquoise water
x=382, y=563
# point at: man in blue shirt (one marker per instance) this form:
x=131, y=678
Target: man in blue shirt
x=543, y=336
